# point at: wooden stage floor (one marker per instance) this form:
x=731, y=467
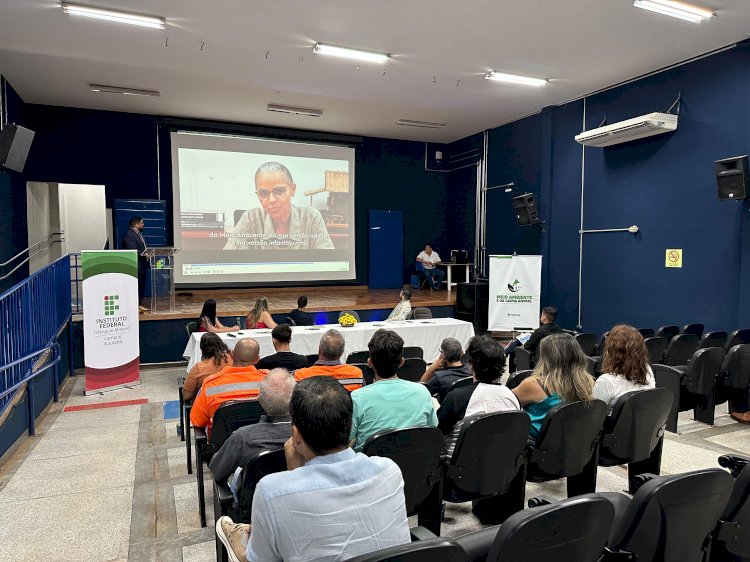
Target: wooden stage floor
x=237, y=302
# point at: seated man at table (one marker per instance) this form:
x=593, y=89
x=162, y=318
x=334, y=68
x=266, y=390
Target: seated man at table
x=300, y=316
x=238, y=382
x=446, y=369
x=429, y=261
x=330, y=350
x=281, y=336
x=403, y=308
x=390, y=402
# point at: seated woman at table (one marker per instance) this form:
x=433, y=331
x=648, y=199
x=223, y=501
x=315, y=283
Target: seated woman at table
x=259, y=317
x=215, y=356
x=209, y=322
x=561, y=375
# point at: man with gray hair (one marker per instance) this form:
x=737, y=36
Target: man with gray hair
x=330, y=350
x=446, y=369
x=270, y=433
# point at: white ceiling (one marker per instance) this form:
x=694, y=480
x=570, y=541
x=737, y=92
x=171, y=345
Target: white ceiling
x=258, y=52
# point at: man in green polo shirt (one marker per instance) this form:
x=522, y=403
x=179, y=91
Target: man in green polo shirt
x=390, y=402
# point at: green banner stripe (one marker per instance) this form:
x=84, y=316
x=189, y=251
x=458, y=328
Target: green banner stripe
x=110, y=267
x=109, y=262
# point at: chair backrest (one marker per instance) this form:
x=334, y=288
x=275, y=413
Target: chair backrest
x=312, y=358
x=573, y=529
x=600, y=346
x=413, y=351
x=670, y=517
x=518, y=377
x=416, y=451
x=352, y=312
x=680, y=349
x=736, y=516
x=668, y=332
x=523, y=359
x=489, y=452
x=429, y=550
x=712, y=339
x=696, y=329
x=591, y=366
x=736, y=366
x=232, y=415
x=265, y=462
x=737, y=337
x=702, y=370
x=358, y=357
x=568, y=437
x=587, y=342
x=465, y=381
x=191, y=327
x=656, y=347
x=636, y=424
x=422, y=313
x=367, y=373
x=412, y=369
x=290, y=321
x=647, y=332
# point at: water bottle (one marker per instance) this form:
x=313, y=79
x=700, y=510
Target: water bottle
x=238, y=322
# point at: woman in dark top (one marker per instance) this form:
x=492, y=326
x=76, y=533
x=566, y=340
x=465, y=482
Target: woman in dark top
x=208, y=322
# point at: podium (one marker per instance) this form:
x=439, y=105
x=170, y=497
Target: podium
x=161, y=261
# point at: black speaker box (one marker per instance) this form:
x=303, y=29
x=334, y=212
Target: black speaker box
x=525, y=209
x=472, y=304
x=15, y=142
x=732, y=178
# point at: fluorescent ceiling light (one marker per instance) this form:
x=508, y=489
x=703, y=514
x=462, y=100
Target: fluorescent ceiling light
x=515, y=79
x=102, y=88
x=113, y=15
x=424, y=124
x=294, y=110
x=680, y=10
x=345, y=53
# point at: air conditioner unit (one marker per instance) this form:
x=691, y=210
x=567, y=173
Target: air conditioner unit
x=629, y=130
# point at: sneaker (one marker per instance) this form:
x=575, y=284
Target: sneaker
x=234, y=536
x=742, y=417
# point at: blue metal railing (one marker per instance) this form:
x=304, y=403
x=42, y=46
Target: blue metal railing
x=32, y=315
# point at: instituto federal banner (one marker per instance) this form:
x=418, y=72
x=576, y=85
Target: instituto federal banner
x=110, y=319
x=515, y=289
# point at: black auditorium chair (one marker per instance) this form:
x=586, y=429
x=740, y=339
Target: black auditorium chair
x=647, y=332
x=367, y=373
x=358, y=357
x=421, y=313
x=575, y=529
x=290, y=321
x=592, y=366
x=731, y=537
x=696, y=329
x=670, y=518
x=737, y=337
x=458, y=383
x=312, y=358
x=668, y=332
x=587, y=342
x=568, y=446
x=523, y=359
x=600, y=346
x=228, y=417
x=634, y=432
x=417, y=452
x=712, y=339
x=656, y=347
x=413, y=351
x=680, y=349
x=191, y=327
x=429, y=550
x=734, y=375
x=518, y=377
x=488, y=465
x=412, y=369
x=669, y=378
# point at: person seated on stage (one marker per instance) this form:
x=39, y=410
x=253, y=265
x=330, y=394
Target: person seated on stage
x=259, y=317
x=238, y=382
x=281, y=336
x=389, y=402
x=561, y=375
x=485, y=396
x=269, y=434
x=330, y=350
x=446, y=369
x=215, y=356
x=331, y=503
x=403, y=309
x=209, y=322
x=300, y=316
x=429, y=261
x=547, y=327
x=624, y=365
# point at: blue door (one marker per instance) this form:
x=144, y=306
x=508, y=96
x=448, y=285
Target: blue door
x=386, y=245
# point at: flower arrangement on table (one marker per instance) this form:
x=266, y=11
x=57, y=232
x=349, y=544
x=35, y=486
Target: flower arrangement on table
x=347, y=320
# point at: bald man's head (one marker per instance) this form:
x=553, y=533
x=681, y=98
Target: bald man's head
x=246, y=352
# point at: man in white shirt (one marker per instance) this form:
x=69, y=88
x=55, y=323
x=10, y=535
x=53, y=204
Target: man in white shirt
x=429, y=261
x=403, y=309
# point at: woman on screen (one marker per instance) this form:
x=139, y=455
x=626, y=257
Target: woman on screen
x=208, y=321
x=259, y=317
x=277, y=224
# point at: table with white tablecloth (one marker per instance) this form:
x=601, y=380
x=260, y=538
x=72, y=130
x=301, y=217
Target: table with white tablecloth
x=426, y=334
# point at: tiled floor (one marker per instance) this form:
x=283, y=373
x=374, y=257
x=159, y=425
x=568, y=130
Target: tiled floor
x=112, y=484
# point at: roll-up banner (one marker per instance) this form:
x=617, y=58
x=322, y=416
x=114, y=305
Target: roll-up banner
x=110, y=319
x=515, y=292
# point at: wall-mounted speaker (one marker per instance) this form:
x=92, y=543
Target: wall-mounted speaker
x=15, y=142
x=732, y=177
x=524, y=207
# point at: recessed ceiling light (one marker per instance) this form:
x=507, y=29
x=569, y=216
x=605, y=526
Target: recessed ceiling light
x=356, y=54
x=294, y=110
x=680, y=10
x=113, y=15
x=102, y=88
x=515, y=79
x=424, y=124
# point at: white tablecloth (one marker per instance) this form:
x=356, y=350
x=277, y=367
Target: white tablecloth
x=426, y=334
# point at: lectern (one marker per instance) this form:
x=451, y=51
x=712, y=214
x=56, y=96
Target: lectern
x=162, y=278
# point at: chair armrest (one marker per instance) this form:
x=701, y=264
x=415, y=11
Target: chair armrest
x=640, y=479
x=617, y=555
x=200, y=434
x=539, y=501
x=734, y=463
x=421, y=534
x=477, y=545
x=223, y=493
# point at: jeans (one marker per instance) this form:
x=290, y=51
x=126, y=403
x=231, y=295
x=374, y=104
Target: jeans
x=432, y=274
x=510, y=354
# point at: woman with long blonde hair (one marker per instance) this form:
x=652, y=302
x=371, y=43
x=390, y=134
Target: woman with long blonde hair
x=259, y=317
x=561, y=375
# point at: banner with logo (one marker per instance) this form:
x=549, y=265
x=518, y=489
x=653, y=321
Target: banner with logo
x=110, y=319
x=515, y=289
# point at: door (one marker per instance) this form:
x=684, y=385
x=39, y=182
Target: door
x=386, y=250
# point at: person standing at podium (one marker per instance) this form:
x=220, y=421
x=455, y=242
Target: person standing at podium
x=133, y=240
